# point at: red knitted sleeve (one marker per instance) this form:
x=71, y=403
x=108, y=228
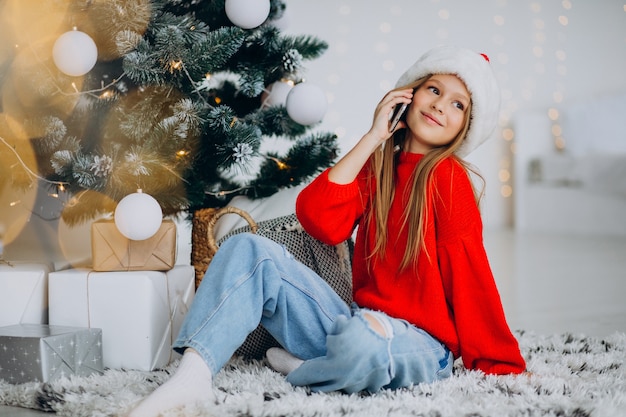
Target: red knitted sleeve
x=486, y=342
x=328, y=211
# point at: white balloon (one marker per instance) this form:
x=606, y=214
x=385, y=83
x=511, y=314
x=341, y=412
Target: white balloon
x=277, y=94
x=247, y=14
x=75, y=53
x=138, y=216
x=306, y=104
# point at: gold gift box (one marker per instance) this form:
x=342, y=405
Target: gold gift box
x=112, y=251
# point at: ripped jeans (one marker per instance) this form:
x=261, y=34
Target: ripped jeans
x=253, y=280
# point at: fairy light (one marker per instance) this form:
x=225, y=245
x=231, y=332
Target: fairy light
x=553, y=114
x=106, y=95
x=223, y=193
x=557, y=96
x=281, y=165
x=508, y=134
x=175, y=65
x=504, y=174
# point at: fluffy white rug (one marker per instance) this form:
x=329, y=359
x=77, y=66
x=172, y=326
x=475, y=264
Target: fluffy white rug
x=572, y=375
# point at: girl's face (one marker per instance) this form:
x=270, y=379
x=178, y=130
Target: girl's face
x=437, y=113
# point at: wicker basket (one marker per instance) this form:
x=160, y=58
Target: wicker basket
x=203, y=244
x=203, y=248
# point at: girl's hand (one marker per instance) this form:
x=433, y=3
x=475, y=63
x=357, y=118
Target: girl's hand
x=346, y=170
x=382, y=115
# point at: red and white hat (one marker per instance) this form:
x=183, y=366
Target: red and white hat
x=475, y=71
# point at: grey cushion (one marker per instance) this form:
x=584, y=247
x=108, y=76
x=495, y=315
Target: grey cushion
x=332, y=263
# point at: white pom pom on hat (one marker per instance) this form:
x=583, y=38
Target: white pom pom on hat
x=475, y=71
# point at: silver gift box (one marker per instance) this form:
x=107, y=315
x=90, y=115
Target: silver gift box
x=39, y=352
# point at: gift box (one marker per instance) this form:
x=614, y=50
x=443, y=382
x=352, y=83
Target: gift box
x=139, y=312
x=112, y=251
x=23, y=293
x=38, y=352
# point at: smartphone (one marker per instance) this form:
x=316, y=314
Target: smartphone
x=397, y=115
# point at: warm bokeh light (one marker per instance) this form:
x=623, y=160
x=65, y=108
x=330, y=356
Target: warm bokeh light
x=506, y=191
x=553, y=113
x=17, y=188
x=508, y=134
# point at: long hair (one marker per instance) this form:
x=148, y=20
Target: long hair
x=416, y=215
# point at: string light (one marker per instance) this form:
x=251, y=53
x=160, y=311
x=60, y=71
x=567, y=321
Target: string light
x=223, y=193
x=106, y=94
x=281, y=165
x=561, y=69
x=175, y=66
x=29, y=171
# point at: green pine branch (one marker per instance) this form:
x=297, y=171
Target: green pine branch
x=175, y=108
x=308, y=157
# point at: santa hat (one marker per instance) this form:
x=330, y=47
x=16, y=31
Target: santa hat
x=475, y=71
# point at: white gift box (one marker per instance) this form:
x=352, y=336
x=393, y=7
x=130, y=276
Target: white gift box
x=139, y=312
x=23, y=293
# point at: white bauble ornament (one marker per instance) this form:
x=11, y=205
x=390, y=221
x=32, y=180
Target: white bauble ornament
x=306, y=104
x=138, y=216
x=247, y=14
x=75, y=53
x=277, y=94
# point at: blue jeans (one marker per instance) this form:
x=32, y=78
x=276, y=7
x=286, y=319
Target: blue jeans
x=253, y=280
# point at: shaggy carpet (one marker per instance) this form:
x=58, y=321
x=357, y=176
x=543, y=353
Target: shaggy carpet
x=571, y=375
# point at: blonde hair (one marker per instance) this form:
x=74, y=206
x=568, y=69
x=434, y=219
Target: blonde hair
x=416, y=215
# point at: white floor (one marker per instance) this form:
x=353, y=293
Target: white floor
x=556, y=283
x=548, y=283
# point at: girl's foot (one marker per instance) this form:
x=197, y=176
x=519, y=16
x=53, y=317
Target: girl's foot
x=192, y=382
x=282, y=361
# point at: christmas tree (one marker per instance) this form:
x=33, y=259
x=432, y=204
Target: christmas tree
x=171, y=97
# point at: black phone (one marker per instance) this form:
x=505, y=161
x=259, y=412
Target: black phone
x=397, y=115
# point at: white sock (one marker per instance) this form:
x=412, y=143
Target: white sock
x=282, y=361
x=192, y=382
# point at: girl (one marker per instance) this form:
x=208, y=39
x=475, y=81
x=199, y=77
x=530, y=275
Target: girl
x=423, y=290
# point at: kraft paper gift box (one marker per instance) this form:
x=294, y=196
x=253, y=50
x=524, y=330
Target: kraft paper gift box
x=23, y=293
x=112, y=251
x=38, y=352
x=139, y=312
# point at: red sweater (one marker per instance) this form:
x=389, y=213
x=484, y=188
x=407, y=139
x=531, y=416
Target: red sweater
x=453, y=296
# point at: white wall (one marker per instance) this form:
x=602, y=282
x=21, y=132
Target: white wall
x=543, y=52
